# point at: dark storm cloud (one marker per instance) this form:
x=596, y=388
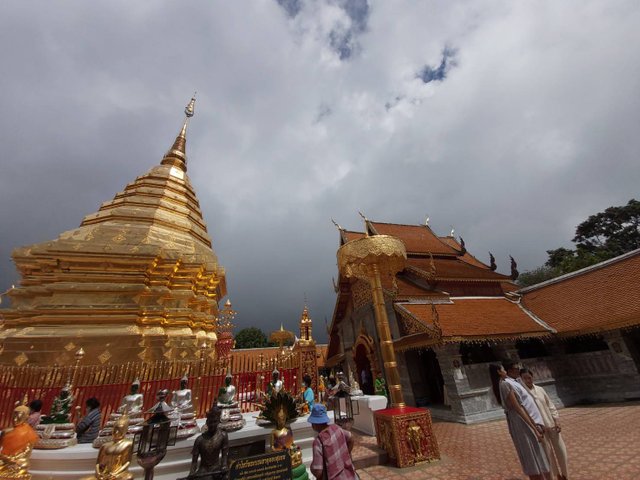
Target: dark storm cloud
x=439, y=73
x=535, y=128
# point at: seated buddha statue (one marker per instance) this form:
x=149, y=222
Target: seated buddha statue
x=227, y=394
x=282, y=436
x=181, y=399
x=114, y=457
x=276, y=384
x=61, y=408
x=183, y=410
x=132, y=402
x=231, y=418
x=15, y=446
x=356, y=391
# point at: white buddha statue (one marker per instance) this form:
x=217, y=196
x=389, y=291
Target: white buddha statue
x=181, y=399
x=183, y=411
x=133, y=402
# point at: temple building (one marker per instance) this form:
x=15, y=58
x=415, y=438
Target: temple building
x=451, y=315
x=137, y=281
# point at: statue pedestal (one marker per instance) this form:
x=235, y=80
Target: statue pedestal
x=367, y=405
x=406, y=434
x=78, y=461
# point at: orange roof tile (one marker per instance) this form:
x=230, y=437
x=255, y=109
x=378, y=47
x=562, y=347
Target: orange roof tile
x=456, y=269
x=407, y=288
x=602, y=297
x=348, y=235
x=477, y=318
x=417, y=238
x=467, y=257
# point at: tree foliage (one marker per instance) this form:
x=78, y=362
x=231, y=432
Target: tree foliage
x=600, y=237
x=251, y=337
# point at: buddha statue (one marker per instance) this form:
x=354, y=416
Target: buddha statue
x=281, y=436
x=15, y=446
x=56, y=429
x=161, y=411
x=227, y=394
x=356, y=391
x=131, y=403
x=183, y=410
x=114, y=457
x=212, y=447
x=231, y=418
x=276, y=384
x=281, y=409
x=61, y=408
x=181, y=399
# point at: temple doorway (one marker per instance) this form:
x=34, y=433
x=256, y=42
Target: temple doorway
x=363, y=369
x=426, y=377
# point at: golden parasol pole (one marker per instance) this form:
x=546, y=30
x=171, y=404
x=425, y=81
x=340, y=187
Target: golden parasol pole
x=369, y=258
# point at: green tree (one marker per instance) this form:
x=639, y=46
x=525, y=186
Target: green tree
x=537, y=275
x=600, y=237
x=612, y=232
x=251, y=337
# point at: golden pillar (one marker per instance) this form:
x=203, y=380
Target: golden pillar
x=369, y=258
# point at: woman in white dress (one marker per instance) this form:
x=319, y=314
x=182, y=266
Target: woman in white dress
x=553, y=442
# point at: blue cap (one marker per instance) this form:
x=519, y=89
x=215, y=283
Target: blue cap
x=318, y=414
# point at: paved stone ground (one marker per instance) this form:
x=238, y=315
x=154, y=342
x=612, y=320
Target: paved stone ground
x=603, y=443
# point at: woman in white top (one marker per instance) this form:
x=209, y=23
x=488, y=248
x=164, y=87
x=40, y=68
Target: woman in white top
x=553, y=442
x=523, y=419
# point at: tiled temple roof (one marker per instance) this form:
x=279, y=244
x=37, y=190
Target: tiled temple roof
x=417, y=238
x=602, y=297
x=466, y=319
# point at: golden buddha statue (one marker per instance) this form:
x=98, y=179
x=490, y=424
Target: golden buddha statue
x=15, y=446
x=281, y=409
x=114, y=456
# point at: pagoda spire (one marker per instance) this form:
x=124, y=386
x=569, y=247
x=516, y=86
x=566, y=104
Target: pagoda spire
x=306, y=325
x=177, y=155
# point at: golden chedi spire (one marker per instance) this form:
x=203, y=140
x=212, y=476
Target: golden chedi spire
x=177, y=155
x=137, y=280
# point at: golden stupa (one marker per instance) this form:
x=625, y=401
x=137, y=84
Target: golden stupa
x=137, y=281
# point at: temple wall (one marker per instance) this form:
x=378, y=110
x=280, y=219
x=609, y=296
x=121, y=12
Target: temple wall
x=610, y=375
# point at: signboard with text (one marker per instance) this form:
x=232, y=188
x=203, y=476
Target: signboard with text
x=269, y=466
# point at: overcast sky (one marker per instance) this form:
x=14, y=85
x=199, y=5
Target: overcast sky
x=510, y=121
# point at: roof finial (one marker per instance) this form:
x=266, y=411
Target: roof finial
x=426, y=221
x=337, y=225
x=366, y=223
x=514, y=269
x=453, y=231
x=177, y=153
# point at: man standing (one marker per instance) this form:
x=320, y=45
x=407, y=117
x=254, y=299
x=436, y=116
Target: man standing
x=331, y=448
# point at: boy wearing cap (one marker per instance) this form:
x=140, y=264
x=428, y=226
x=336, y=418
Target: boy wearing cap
x=331, y=448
